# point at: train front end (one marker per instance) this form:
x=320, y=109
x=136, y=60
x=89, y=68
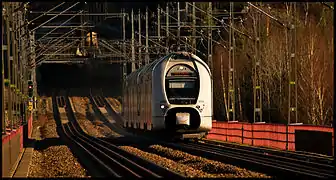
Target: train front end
x=187, y=102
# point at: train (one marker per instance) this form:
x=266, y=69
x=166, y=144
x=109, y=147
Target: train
x=172, y=95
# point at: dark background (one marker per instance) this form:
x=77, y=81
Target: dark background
x=79, y=78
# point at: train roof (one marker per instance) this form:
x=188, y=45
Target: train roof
x=134, y=76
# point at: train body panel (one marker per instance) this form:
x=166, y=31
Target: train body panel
x=172, y=93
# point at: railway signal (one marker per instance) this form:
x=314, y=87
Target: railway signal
x=30, y=89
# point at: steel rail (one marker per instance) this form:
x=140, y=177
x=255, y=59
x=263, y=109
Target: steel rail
x=289, y=164
x=69, y=135
x=291, y=154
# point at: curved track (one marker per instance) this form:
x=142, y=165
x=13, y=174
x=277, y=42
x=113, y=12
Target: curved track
x=109, y=159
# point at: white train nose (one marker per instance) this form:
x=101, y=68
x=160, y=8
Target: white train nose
x=170, y=93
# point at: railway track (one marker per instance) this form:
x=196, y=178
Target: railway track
x=99, y=101
x=111, y=160
x=275, y=164
x=117, y=127
x=280, y=164
x=267, y=151
x=60, y=101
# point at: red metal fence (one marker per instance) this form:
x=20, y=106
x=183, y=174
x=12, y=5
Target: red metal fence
x=267, y=135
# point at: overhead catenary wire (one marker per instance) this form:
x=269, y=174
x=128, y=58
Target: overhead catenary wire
x=54, y=17
x=61, y=37
x=80, y=12
x=64, y=47
x=46, y=12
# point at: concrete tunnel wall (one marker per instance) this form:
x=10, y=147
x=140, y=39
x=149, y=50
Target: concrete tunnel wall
x=79, y=78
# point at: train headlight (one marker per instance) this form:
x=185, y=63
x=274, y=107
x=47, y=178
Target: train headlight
x=163, y=108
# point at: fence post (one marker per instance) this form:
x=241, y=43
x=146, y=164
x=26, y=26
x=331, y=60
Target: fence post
x=252, y=134
x=242, y=134
x=226, y=134
x=287, y=137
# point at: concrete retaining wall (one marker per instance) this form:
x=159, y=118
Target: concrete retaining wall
x=13, y=144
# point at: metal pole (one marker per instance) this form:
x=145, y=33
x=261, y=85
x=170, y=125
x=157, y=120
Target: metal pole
x=159, y=25
x=210, y=42
x=147, y=55
x=140, y=45
x=257, y=117
x=231, y=94
x=20, y=63
x=24, y=69
x=292, y=89
x=17, y=73
x=210, y=35
x=186, y=19
x=14, y=70
x=259, y=66
x=133, y=48
x=3, y=76
x=9, y=65
x=211, y=51
x=178, y=27
x=186, y=12
x=124, y=45
x=167, y=29
x=194, y=28
x=33, y=70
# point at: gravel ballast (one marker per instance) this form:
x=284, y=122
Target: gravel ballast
x=215, y=168
x=167, y=163
x=88, y=121
x=191, y=166
x=51, y=158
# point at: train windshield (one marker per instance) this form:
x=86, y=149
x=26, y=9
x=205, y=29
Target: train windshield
x=182, y=86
